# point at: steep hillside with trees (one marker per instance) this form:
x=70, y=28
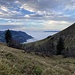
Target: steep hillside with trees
x=48, y=46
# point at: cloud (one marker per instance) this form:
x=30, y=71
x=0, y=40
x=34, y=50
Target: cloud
x=56, y=25
x=4, y=8
x=5, y=27
x=47, y=14
x=41, y=7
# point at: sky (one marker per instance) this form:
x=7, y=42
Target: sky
x=36, y=14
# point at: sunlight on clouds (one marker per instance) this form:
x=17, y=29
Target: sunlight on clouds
x=37, y=14
x=4, y=8
x=15, y=12
x=26, y=7
x=17, y=2
x=1, y=13
x=26, y=16
x=56, y=25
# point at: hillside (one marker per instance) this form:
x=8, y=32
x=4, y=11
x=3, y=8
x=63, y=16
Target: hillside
x=18, y=62
x=48, y=45
x=19, y=36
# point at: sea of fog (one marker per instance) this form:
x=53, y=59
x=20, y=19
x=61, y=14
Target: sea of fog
x=38, y=35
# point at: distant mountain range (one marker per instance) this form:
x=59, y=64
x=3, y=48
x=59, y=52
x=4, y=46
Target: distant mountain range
x=18, y=36
x=51, y=31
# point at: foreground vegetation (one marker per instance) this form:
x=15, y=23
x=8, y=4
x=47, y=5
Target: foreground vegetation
x=18, y=62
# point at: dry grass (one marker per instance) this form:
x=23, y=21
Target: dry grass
x=17, y=62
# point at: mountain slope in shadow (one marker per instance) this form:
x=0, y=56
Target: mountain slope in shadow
x=48, y=45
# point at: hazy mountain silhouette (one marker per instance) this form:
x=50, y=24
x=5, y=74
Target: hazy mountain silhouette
x=18, y=36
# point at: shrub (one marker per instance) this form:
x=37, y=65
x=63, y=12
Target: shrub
x=37, y=70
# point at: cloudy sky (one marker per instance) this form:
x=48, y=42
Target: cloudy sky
x=36, y=14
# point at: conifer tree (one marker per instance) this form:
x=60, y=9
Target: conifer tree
x=60, y=46
x=8, y=37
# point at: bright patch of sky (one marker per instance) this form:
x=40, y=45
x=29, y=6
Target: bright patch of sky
x=36, y=14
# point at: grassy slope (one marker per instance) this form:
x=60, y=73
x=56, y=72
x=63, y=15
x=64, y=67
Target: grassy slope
x=16, y=62
x=39, y=46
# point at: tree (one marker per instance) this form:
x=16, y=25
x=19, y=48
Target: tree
x=60, y=46
x=8, y=37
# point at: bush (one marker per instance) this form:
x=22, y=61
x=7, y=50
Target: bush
x=37, y=70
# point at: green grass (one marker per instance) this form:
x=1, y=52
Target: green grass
x=18, y=62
